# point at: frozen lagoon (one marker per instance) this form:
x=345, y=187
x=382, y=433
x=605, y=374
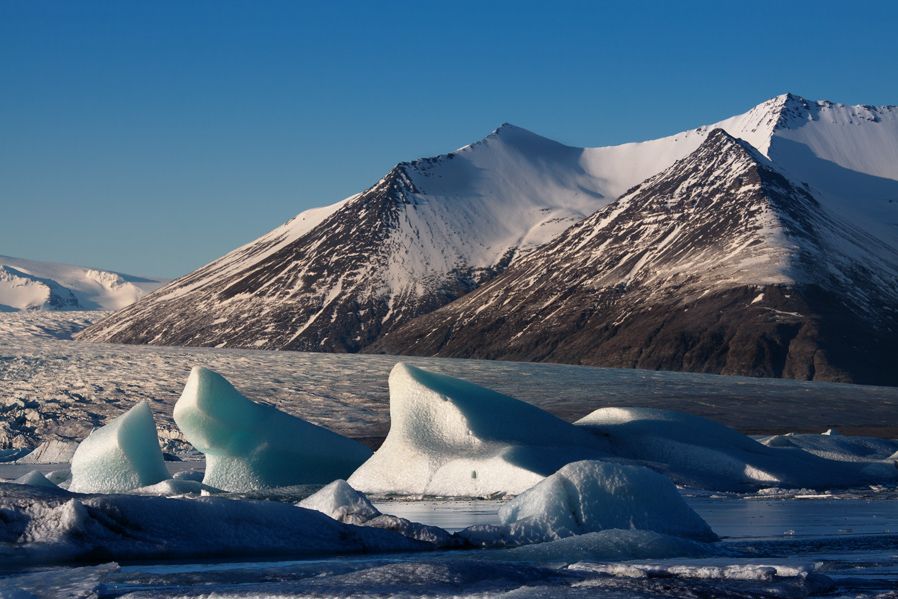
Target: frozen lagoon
x=74, y=386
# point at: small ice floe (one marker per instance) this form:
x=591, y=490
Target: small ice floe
x=120, y=456
x=344, y=504
x=593, y=496
x=249, y=446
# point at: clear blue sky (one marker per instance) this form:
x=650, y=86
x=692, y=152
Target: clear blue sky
x=152, y=137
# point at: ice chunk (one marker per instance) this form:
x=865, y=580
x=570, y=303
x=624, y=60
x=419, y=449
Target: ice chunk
x=250, y=446
x=120, y=456
x=44, y=524
x=35, y=477
x=698, y=452
x=453, y=438
x=592, y=496
x=51, y=452
x=342, y=503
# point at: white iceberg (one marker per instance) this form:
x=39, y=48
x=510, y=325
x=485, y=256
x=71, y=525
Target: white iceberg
x=592, y=496
x=120, y=456
x=249, y=446
x=344, y=504
x=453, y=438
x=36, y=478
x=698, y=452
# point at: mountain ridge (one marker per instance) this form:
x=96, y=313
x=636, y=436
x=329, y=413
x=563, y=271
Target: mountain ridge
x=715, y=265
x=36, y=285
x=342, y=277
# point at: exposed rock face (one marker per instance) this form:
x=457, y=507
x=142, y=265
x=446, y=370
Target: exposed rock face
x=719, y=264
x=337, y=278
x=770, y=256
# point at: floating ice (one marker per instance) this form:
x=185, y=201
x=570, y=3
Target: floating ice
x=250, y=446
x=833, y=446
x=451, y=437
x=36, y=478
x=592, y=496
x=51, y=452
x=342, y=503
x=698, y=452
x=120, y=456
x=53, y=525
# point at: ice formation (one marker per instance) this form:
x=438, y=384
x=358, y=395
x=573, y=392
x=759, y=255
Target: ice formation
x=451, y=437
x=342, y=503
x=44, y=524
x=36, y=478
x=698, y=452
x=250, y=446
x=593, y=496
x=120, y=456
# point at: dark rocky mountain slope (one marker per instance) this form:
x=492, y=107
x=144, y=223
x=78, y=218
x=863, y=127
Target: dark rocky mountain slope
x=719, y=264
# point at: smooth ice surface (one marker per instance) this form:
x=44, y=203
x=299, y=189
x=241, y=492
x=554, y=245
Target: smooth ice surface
x=451, y=437
x=120, y=456
x=592, y=496
x=252, y=446
x=697, y=452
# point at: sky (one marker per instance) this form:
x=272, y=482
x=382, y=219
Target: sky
x=151, y=138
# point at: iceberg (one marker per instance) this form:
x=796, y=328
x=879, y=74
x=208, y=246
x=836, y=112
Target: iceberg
x=120, y=456
x=36, y=478
x=249, y=446
x=593, y=496
x=453, y=438
x=344, y=504
x=697, y=452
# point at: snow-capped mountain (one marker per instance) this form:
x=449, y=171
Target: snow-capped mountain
x=336, y=278
x=33, y=285
x=718, y=264
x=339, y=278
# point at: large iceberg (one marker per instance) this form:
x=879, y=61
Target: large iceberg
x=250, y=446
x=698, y=452
x=593, y=496
x=120, y=456
x=451, y=437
